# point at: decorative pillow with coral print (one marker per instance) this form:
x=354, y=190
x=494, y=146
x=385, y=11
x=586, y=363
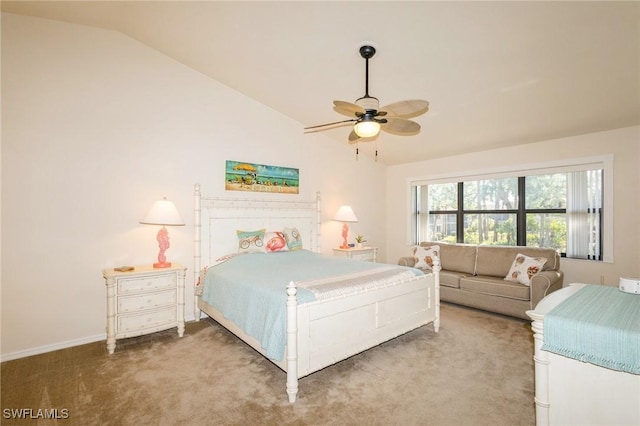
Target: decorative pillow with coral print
x=275, y=241
x=524, y=268
x=427, y=258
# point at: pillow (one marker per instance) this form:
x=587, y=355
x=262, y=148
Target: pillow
x=293, y=238
x=525, y=267
x=275, y=241
x=251, y=241
x=427, y=258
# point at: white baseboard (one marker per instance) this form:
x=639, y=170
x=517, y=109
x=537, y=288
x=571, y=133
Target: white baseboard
x=52, y=347
x=63, y=345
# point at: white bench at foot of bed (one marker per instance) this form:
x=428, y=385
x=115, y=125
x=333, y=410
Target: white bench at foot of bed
x=572, y=392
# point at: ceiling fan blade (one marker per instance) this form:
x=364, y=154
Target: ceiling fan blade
x=407, y=109
x=400, y=126
x=326, y=126
x=347, y=108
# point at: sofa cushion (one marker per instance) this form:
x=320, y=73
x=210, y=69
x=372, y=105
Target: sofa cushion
x=495, y=287
x=451, y=278
x=497, y=260
x=457, y=257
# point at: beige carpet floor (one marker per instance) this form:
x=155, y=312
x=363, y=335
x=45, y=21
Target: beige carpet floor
x=478, y=370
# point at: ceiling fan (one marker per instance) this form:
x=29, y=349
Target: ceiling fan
x=369, y=119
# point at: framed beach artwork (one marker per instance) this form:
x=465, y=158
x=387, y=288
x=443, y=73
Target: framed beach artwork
x=243, y=176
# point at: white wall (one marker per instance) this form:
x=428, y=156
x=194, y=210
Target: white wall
x=623, y=144
x=96, y=127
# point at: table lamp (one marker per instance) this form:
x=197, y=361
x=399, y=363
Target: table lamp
x=163, y=212
x=345, y=214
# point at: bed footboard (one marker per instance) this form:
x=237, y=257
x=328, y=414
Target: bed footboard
x=320, y=334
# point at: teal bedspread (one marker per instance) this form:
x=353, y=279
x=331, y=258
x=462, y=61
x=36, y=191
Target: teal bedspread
x=599, y=325
x=250, y=289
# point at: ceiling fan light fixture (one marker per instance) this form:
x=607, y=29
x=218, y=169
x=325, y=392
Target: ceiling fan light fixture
x=367, y=128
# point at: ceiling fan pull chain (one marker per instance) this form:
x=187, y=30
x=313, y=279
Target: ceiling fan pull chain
x=357, y=152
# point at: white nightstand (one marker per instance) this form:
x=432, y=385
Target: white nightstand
x=144, y=301
x=365, y=253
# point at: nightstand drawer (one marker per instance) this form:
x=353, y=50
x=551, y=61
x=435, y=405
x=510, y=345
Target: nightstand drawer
x=129, y=323
x=363, y=256
x=146, y=301
x=368, y=254
x=151, y=282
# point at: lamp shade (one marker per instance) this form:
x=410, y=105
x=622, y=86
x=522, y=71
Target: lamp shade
x=367, y=128
x=163, y=212
x=345, y=214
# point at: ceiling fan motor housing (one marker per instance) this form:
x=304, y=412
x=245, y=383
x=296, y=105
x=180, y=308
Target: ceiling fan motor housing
x=368, y=103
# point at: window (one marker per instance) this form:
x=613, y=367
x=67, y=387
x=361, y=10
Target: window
x=561, y=210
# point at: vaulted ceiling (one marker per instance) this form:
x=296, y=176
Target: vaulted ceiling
x=496, y=74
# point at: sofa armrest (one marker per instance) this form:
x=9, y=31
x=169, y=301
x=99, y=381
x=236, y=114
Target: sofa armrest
x=407, y=261
x=543, y=283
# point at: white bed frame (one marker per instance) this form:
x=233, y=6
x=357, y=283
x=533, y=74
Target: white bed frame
x=319, y=334
x=572, y=392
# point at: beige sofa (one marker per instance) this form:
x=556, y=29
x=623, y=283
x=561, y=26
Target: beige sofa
x=474, y=276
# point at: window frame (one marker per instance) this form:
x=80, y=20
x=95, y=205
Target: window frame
x=604, y=162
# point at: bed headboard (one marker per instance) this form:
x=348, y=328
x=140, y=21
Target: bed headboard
x=216, y=220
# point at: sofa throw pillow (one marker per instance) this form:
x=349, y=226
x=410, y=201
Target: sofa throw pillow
x=275, y=241
x=293, y=238
x=524, y=268
x=251, y=241
x=427, y=258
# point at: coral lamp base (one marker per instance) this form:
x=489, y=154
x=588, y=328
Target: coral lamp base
x=163, y=243
x=345, y=235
